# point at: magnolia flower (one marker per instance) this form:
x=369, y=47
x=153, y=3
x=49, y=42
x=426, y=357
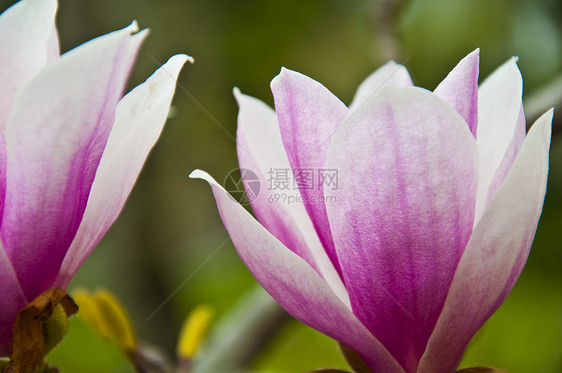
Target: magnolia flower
x=437, y=201
x=71, y=148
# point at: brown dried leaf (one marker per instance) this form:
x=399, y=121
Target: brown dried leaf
x=30, y=339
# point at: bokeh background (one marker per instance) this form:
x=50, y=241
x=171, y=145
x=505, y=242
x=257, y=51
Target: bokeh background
x=169, y=252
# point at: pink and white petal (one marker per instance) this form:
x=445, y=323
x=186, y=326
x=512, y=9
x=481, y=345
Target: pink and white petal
x=309, y=115
x=509, y=156
x=390, y=74
x=460, y=89
x=402, y=212
x=293, y=283
x=260, y=149
x=269, y=208
x=495, y=254
x=3, y=164
x=499, y=106
x=54, y=139
x=13, y=300
x=26, y=45
x=139, y=120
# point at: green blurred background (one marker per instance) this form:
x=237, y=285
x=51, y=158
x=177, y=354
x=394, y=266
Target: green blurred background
x=169, y=252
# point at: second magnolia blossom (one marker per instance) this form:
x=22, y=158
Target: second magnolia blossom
x=71, y=147
x=437, y=203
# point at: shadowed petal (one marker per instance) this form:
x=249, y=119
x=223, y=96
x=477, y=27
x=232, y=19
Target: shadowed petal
x=27, y=35
x=390, y=74
x=499, y=108
x=294, y=284
x=308, y=117
x=139, y=120
x=509, y=157
x=495, y=254
x=460, y=89
x=13, y=300
x=54, y=139
x=404, y=208
x=261, y=150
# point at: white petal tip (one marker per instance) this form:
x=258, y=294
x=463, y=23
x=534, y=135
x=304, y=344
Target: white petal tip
x=475, y=52
x=241, y=97
x=547, y=116
x=196, y=174
x=200, y=174
x=285, y=71
x=182, y=58
x=281, y=76
x=238, y=95
x=543, y=125
x=133, y=27
x=174, y=64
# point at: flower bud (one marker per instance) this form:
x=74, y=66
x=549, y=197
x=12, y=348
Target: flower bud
x=105, y=314
x=193, y=332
